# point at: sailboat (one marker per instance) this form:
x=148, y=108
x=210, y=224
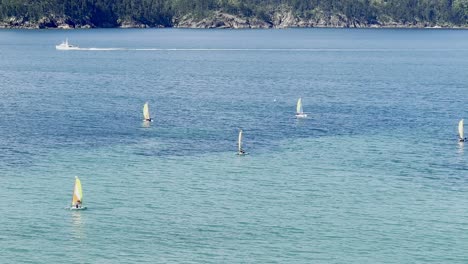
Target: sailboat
x=240, y=151
x=146, y=113
x=461, y=135
x=299, y=111
x=77, y=200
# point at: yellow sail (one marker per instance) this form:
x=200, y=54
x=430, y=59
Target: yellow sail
x=460, y=129
x=239, y=141
x=146, y=113
x=77, y=192
x=299, y=106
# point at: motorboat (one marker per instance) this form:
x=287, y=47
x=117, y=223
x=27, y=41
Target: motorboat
x=66, y=46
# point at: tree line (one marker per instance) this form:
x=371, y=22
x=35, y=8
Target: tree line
x=162, y=12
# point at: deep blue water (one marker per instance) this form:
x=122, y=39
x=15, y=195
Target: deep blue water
x=374, y=175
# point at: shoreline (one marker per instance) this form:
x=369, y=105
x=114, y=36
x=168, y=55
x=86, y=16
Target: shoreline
x=2, y=27
x=221, y=20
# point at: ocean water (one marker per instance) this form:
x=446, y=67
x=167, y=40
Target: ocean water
x=374, y=175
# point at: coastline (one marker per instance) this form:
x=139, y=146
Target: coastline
x=220, y=20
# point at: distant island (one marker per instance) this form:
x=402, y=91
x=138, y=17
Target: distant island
x=67, y=14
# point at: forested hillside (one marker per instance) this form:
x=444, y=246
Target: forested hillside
x=232, y=13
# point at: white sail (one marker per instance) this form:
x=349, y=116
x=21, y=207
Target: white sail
x=299, y=109
x=239, y=142
x=460, y=129
x=146, y=114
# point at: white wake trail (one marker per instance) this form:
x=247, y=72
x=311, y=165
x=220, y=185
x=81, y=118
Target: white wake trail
x=266, y=49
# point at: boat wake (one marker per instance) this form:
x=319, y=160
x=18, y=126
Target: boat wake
x=258, y=49
x=196, y=49
x=101, y=49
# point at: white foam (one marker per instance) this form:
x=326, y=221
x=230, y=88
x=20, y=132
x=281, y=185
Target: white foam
x=265, y=49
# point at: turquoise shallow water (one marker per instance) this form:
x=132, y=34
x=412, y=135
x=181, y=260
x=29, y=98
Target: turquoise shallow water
x=374, y=176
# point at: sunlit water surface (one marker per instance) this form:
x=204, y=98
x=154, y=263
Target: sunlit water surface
x=374, y=175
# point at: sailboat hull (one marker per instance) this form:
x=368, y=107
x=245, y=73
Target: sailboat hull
x=301, y=115
x=78, y=209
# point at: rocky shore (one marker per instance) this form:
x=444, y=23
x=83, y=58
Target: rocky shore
x=279, y=19
x=289, y=20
